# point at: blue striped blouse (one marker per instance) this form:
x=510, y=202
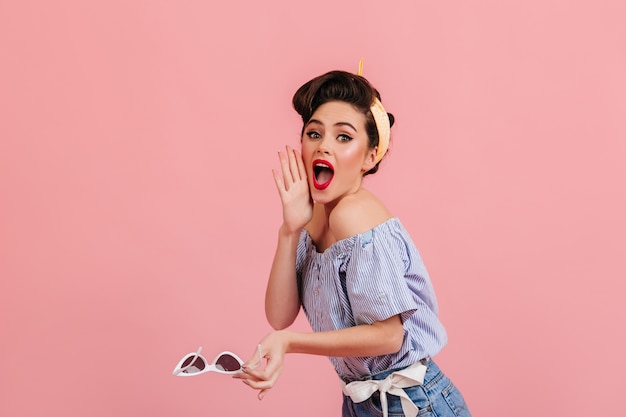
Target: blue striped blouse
x=366, y=278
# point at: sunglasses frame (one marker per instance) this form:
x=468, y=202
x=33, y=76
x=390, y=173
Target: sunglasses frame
x=179, y=370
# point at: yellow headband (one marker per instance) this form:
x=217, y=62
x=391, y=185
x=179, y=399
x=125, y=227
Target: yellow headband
x=381, y=118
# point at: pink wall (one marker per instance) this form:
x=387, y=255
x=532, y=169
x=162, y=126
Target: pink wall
x=138, y=214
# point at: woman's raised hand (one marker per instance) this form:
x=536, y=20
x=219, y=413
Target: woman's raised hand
x=293, y=188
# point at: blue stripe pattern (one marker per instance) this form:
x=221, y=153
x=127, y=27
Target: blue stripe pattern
x=366, y=278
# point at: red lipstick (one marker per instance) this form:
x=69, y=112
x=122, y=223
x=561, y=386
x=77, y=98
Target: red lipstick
x=323, y=173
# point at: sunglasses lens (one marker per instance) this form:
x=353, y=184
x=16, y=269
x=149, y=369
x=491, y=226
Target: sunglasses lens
x=227, y=363
x=197, y=365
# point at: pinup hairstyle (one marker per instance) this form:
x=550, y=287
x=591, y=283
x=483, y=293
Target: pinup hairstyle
x=340, y=86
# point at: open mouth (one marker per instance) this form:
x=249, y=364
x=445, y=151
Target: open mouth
x=323, y=173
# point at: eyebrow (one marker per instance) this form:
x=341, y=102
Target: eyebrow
x=336, y=124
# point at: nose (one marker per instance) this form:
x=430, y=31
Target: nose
x=324, y=146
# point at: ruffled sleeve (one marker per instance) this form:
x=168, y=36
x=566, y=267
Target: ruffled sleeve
x=381, y=274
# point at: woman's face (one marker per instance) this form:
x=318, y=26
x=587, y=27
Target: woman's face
x=335, y=151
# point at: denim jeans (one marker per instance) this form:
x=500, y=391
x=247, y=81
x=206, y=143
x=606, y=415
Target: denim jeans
x=437, y=397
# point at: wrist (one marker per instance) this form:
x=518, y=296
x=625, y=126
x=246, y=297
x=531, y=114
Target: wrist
x=289, y=232
x=286, y=337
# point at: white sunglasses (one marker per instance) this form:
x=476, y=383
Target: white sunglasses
x=225, y=363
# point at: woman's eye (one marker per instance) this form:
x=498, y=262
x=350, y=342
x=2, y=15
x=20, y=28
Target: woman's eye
x=344, y=138
x=313, y=134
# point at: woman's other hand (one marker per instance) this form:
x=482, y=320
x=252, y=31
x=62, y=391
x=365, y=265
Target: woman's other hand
x=273, y=348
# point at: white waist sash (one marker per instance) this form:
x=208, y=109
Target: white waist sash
x=411, y=376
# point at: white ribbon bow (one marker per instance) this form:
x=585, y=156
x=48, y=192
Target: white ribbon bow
x=360, y=391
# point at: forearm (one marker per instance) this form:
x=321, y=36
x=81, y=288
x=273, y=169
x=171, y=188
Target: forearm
x=282, y=302
x=379, y=338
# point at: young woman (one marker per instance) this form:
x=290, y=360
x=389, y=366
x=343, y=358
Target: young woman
x=351, y=265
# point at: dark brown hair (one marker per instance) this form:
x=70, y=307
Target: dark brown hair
x=340, y=86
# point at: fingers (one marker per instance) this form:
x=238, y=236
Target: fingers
x=292, y=168
x=280, y=184
x=256, y=360
x=295, y=164
x=261, y=379
x=257, y=380
x=301, y=167
x=262, y=391
x=286, y=171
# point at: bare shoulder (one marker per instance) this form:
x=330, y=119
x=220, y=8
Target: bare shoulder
x=357, y=214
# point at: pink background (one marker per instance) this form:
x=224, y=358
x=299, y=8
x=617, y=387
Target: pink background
x=138, y=215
